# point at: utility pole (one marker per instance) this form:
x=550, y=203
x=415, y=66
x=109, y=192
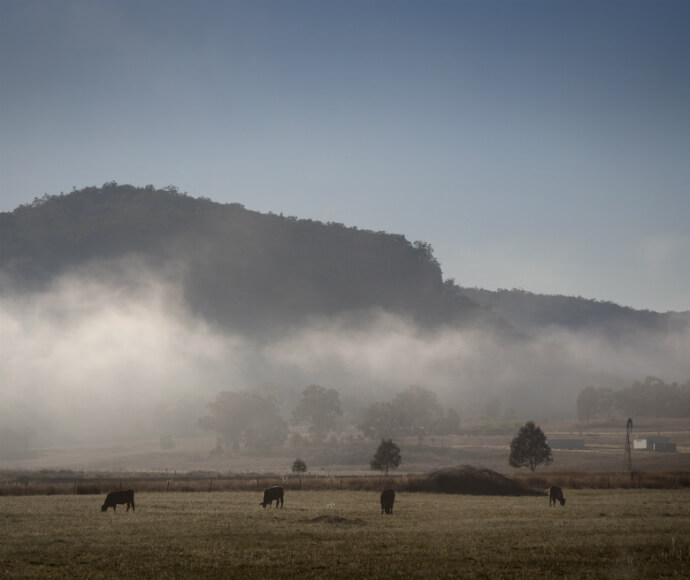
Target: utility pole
x=628, y=454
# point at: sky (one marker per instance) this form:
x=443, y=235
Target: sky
x=542, y=145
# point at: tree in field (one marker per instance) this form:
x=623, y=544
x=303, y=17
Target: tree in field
x=529, y=448
x=414, y=411
x=387, y=456
x=299, y=466
x=241, y=418
x=606, y=402
x=320, y=408
x=418, y=409
x=381, y=420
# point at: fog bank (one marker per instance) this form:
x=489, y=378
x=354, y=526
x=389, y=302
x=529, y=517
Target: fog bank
x=96, y=358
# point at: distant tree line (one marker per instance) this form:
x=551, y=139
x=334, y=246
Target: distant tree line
x=651, y=397
x=247, y=419
x=414, y=411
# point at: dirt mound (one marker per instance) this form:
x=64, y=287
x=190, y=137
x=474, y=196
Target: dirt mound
x=334, y=520
x=470, y=480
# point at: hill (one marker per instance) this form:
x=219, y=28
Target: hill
x=531, y=313
x=257, y=272
x=237, y=267
x=126, y=310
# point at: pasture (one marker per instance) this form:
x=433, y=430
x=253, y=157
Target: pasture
x=629, y=533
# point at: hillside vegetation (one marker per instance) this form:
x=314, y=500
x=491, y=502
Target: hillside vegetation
x=263, y=271
x=237, y=267
x=531, y=312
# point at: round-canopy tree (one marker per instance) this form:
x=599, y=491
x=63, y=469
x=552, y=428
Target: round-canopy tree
x=320, y=407
x=299, y=466
x=387, y=456
x=529, y=448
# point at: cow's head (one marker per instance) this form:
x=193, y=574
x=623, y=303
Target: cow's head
x=562, y=500
x=104, y=508
x=262, y=504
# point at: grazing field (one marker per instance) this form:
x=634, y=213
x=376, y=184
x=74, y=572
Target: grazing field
x=628, y=533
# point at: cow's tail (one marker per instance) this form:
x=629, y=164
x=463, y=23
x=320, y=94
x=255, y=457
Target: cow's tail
x=132, y=501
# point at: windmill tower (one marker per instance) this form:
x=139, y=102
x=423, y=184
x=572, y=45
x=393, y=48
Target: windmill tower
x=628, y=455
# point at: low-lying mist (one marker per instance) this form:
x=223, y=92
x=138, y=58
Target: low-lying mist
x=113, y=356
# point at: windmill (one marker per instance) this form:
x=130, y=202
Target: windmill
x=628, y=455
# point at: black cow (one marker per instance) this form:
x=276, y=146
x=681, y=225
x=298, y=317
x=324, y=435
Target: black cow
x=387, y=500
x=116, y=497
x=273, y=493
x=555, y=494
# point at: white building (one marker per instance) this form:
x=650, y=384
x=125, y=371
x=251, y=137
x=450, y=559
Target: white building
x=654, y=443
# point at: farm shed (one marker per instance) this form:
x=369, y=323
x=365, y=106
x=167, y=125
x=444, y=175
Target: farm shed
x=566, y=443
x=654, y=443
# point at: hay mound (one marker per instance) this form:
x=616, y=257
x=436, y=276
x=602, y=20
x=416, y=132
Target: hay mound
x=466, y=479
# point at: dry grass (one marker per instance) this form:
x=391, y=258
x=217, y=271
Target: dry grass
x=616, y=480
x=341, y=534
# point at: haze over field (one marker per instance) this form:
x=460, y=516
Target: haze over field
x=118, y=356
x=464, y=145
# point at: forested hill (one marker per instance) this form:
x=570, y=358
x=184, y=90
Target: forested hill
x=237, y=267
x=530, y=313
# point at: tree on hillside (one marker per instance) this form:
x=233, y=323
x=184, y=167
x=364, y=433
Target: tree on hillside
x=320, y=407
x=387, y=456
x=241, y=418
x=529, y=448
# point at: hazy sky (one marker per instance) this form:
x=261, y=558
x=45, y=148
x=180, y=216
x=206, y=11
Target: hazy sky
x=539, y=145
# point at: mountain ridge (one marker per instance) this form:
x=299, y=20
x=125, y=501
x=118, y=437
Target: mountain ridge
x=237, y=266
x=256, y=270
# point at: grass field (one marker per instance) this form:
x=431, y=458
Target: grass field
x=627, y=534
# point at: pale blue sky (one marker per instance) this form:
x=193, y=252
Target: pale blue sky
x=539, y=145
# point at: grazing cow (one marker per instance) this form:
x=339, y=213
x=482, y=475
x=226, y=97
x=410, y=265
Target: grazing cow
x=273, y=493
x=555, y=494
x=387, y=500
x=116, y=497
